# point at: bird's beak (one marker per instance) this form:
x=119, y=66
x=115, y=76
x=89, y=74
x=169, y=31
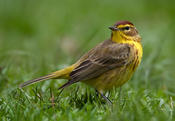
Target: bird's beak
x=113, y=28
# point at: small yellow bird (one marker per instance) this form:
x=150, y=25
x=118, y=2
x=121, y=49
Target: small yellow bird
x=109, y=64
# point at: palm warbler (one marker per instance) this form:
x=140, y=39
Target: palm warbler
x=109, y=64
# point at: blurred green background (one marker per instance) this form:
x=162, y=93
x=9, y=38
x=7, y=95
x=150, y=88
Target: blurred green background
x=41, y=36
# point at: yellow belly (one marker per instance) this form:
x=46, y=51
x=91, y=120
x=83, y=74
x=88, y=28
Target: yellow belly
x=114, y=78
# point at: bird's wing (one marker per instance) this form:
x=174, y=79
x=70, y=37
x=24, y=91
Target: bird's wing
x=102, y=60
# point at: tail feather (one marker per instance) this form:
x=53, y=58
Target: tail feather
x=64, y=74
x=66, y=84
x=50, y=76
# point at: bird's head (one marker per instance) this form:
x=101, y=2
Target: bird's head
x=124, y=31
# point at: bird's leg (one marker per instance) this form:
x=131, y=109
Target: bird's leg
x=104, y=97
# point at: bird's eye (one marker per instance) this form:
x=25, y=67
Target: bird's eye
x=127, y=28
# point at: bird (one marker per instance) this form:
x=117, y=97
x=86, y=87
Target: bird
x=108, y=65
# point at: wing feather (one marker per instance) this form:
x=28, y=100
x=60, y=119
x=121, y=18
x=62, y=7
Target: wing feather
x=103, y=59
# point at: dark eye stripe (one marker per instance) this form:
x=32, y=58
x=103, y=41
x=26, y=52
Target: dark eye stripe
x=126, y=28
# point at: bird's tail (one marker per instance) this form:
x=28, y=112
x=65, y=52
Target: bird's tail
x=61, y=74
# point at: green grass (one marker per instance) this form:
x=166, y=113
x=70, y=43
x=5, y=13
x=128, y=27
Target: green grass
x=38, y=37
